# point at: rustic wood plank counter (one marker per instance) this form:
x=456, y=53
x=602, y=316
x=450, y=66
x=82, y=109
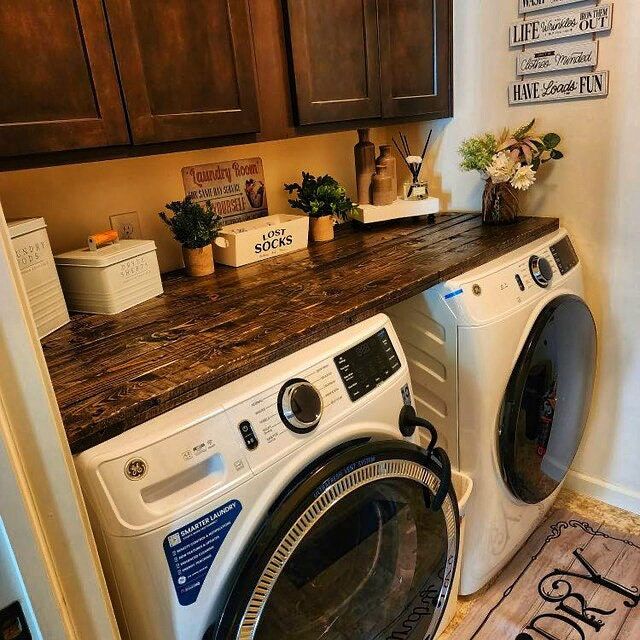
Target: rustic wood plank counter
x=111, y=373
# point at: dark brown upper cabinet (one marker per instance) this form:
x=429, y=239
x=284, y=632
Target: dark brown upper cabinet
x=415, y=51
x=363, y=59
x=334, y=51
x=58, y=81
x=186, y=67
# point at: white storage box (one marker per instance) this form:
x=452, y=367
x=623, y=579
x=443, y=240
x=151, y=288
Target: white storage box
x=111, y=278
x=245, y=242
x=33, y=252
x=367, y=213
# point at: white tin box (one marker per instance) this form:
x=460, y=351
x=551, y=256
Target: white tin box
x=33, y=252
x=110, y=279
x=245, y=242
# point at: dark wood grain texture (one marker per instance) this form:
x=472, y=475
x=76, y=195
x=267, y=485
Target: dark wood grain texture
x=186, y=67
x=58, y=78
x=113, y=372
x=416, y=57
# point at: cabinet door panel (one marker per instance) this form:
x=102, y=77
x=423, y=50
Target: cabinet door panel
x=415, y=56
x=59, y=86
x=334, y=46
x=186, y=66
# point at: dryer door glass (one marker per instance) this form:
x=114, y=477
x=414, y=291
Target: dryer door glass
x=547, y=400
x=364, y=558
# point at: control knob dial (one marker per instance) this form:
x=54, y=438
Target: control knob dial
x=541, y=270
x=300, y=405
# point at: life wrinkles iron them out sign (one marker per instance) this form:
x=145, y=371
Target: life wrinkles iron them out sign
x=236, y=189
x=585, y=85
x=561, y=25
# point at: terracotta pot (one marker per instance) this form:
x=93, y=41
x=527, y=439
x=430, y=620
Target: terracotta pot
x=499, y=204
x=198, y=262
x=321, y=229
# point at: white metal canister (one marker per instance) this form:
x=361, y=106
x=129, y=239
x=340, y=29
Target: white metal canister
x=33, y=252
x=110, y=279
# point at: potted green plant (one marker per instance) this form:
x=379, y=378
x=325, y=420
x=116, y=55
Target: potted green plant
x=509, y=164
x=194, y=227
x=323, y=200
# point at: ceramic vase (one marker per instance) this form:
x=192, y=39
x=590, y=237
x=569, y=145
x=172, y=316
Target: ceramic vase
x=387, y=159
x=382, y=192
x=198, y=262
x=321, y=229
x=365, y=157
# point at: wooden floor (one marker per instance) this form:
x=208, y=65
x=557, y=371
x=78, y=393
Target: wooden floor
x=623, y=521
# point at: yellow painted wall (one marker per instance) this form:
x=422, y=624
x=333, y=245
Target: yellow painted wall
x=76, y=200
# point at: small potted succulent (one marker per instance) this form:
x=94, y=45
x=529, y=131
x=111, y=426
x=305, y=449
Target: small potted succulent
x=194, y=227
x=509, y=164
x=323, y=200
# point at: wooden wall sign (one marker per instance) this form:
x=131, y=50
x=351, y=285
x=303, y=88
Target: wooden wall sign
x=556, y=58
x=586, y=85
x=561, y=25
x=528, y=6
x=236, y=189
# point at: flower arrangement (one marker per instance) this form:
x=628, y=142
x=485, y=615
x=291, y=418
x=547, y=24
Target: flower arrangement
x=509, y=164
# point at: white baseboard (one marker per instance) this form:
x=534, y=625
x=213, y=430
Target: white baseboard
x=613, y=494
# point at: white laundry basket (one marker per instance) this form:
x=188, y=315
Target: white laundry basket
x=463, y=486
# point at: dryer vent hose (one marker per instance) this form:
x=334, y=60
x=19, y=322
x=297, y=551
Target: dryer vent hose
x=408, y=422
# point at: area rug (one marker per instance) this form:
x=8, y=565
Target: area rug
x=574, y=579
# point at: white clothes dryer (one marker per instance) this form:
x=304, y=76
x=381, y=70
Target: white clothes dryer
x=502, y=360
x=285, y=504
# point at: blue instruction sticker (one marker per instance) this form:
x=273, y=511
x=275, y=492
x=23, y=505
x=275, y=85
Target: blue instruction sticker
x=453, y=294
x=192, y=549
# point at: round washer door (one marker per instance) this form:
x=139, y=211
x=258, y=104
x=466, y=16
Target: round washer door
x=547, y=400
x=353, y=550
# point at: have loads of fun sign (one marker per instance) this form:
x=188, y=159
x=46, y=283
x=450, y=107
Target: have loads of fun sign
x=585, y=85
x=561, y=25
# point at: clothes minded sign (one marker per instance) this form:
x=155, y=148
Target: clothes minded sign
x=557, y=58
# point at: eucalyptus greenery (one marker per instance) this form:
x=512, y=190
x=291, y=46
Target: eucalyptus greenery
x=192, y=225
x=477, y=152
x=321, y=196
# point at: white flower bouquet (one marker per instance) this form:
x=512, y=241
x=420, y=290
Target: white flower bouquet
x=509, y=164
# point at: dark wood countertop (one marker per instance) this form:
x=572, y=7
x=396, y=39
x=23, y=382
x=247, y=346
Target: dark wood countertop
x=111, y=373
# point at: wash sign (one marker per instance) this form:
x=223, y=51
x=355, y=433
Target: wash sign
x=191, y=550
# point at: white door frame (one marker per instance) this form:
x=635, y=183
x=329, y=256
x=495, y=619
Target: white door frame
x=40, y=499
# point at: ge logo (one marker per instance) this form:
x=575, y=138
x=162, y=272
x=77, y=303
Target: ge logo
x=135, y=469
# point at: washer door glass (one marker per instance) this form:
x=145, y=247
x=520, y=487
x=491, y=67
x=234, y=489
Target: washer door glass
x=547, y=400
x=365, y=558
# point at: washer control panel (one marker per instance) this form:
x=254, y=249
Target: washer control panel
x=541, y=271
x=300, y=405
x=368, y=364
x=564, y=255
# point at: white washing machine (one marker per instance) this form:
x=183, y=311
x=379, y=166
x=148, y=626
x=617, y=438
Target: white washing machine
x=502, y=361
x=285, y=504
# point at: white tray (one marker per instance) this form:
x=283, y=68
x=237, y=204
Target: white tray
x=368, y=213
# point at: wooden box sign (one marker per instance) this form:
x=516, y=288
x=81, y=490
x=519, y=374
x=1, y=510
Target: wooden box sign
x=561, y=25
x=561, y=57
x=528, y=6
x=255, y=240
x=236, y=189
x=587, y=85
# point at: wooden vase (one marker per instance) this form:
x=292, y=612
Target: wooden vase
x=387, y=159
x=198, y=262
x=500, y=204
x=321, y=229
x=382, y=186
x=365, y=157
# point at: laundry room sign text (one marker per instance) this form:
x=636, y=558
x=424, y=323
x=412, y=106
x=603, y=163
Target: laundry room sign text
x=558, y=58
x=528, y=6
x=586, y=85
x=561, y=25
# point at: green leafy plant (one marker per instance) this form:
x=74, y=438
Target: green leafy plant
x=192, y=225
x=477, y=152
x=321, y=196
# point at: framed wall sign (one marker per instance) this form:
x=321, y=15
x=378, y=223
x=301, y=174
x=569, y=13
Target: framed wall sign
x=557, y=58
x=528, y=6
x=585, y=85
x=561, y=25
x=236, y=188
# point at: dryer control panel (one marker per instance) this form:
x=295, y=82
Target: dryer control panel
x=564, y=255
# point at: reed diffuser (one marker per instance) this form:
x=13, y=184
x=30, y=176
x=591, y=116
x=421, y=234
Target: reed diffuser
x=415, y=189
